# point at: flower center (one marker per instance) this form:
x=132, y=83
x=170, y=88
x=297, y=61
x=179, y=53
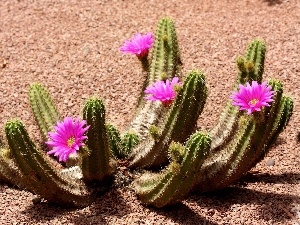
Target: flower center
x=253, y=101
x=71, y=141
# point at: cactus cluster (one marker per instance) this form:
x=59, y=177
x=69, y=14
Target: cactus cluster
x=176, y=158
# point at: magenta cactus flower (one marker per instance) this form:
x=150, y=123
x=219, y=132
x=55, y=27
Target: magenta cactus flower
x=163, y=91
x=67, y=138
x=252, y=97
x=138, y=45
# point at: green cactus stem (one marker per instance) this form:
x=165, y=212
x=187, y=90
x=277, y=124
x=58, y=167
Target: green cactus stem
x=166, y=55
x=252, y=140
x=115, y=141
x=179, y=125
x=165, y=63
x=40, y=175
x=98, y=163
x=285, y=109
x=172, y=184
x=129, y=141
x=253, y=62
x=43, y=108
x=251, y=67
x=121, y=146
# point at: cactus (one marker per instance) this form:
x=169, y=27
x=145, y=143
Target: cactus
x=97, y=164
x=158, y=136
x=165, y=63
x=172, y=184
x=249, y=144
x=43, y=108
x=251, y=67
x=38, y=172
x=180, y=123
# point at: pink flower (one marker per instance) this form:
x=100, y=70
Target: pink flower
x=138, y=45
x=163, y=91
x=252, y=98
x=67, y=138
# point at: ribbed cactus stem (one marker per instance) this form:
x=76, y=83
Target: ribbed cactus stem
x=251, y=142
x=179, y=125
x=115, y=142
x=129, y=141
x=253, y=60
x=165, y=61
x=278, y=115
x=251, y=67
x=40, y=175
x=166, y=55
x=43, y=108
x=98, y=164
x=172, y=184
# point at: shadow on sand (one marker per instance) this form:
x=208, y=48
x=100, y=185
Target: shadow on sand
x=273, y=207
x=96, y=213
x=284, y=178
x=273, y=2
x=112, y=203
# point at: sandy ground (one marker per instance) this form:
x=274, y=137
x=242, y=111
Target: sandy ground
x=72, y=47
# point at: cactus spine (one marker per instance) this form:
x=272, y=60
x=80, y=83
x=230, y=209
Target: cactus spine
x=97, y=164
x=173, y=183
x=43, y=108
x=40, y=175
x=179, y=125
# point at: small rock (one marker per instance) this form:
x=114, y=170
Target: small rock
x=270, y=162
x=36, y=200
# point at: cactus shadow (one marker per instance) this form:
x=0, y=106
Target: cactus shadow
x=108, y=204
x=273, y=2
x=182, y=214
x=273, y=207
x=44, y=212
x=284, y=178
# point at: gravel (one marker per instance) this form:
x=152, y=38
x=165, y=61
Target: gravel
x=72, y=47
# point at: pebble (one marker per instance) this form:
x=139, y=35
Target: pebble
x=270, y=162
